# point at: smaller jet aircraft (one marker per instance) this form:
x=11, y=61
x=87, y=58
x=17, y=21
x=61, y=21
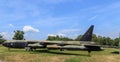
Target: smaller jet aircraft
x=85, y=43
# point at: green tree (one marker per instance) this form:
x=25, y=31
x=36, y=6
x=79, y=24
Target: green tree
x=94, y=38
x=19, y=35
x=100, y=40
x=59, y=38
x=78, y=38
x=2, y=39
x=109, y=41
x=116, y=42
x=51, y=38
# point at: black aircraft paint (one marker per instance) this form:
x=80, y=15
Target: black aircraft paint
x=15, y=44
x=88, y=34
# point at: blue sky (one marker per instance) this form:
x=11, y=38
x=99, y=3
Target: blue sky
x=40, y=18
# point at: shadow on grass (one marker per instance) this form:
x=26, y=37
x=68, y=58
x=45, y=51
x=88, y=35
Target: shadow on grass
x=115, y=52
x=15, y=50
x=58, y=52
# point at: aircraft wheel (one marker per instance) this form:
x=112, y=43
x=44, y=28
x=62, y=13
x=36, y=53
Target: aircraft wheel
x=61, y=49
x=28, y=48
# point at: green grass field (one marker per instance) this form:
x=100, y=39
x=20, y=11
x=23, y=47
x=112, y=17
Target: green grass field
x=43, y=55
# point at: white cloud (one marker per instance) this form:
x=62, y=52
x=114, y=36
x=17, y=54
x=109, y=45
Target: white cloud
x=51, y=35
x=7, y=35
x=110, y=8
x=11, y=25
x=71, y=33
x=66, y=33
x=30, y=29
x=92, y=18
x=52, y=21
x=59, y=34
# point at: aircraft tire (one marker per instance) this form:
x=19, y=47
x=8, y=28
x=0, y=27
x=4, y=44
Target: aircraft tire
x=28, y=48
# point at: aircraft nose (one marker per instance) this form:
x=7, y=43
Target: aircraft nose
x=3, y=44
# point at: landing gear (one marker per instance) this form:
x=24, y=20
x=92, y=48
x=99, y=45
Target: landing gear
x=27, y=48
x=30, y=49
x=89, y=51
x=61, y=49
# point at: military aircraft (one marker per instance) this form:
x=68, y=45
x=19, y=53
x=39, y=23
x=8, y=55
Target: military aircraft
x=85, y=43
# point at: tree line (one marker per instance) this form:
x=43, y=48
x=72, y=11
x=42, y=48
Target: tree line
x=100, y=40
x=59, y=38
x=19, y=35
x=2, y=39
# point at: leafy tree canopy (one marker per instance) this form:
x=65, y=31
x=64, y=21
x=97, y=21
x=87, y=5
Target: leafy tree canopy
x=19, y=35
x=100, y=40
x=2, y=39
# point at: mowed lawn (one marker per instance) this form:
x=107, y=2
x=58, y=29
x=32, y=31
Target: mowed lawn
x=44, y=55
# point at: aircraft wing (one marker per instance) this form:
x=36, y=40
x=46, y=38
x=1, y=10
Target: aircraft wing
x=55, y=42
x=68, y=47
x=74, y=47
x=85, y=40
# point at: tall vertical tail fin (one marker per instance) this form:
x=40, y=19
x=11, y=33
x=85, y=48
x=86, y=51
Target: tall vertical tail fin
x=88, y=34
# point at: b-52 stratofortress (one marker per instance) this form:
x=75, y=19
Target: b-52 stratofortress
x=85, y=43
